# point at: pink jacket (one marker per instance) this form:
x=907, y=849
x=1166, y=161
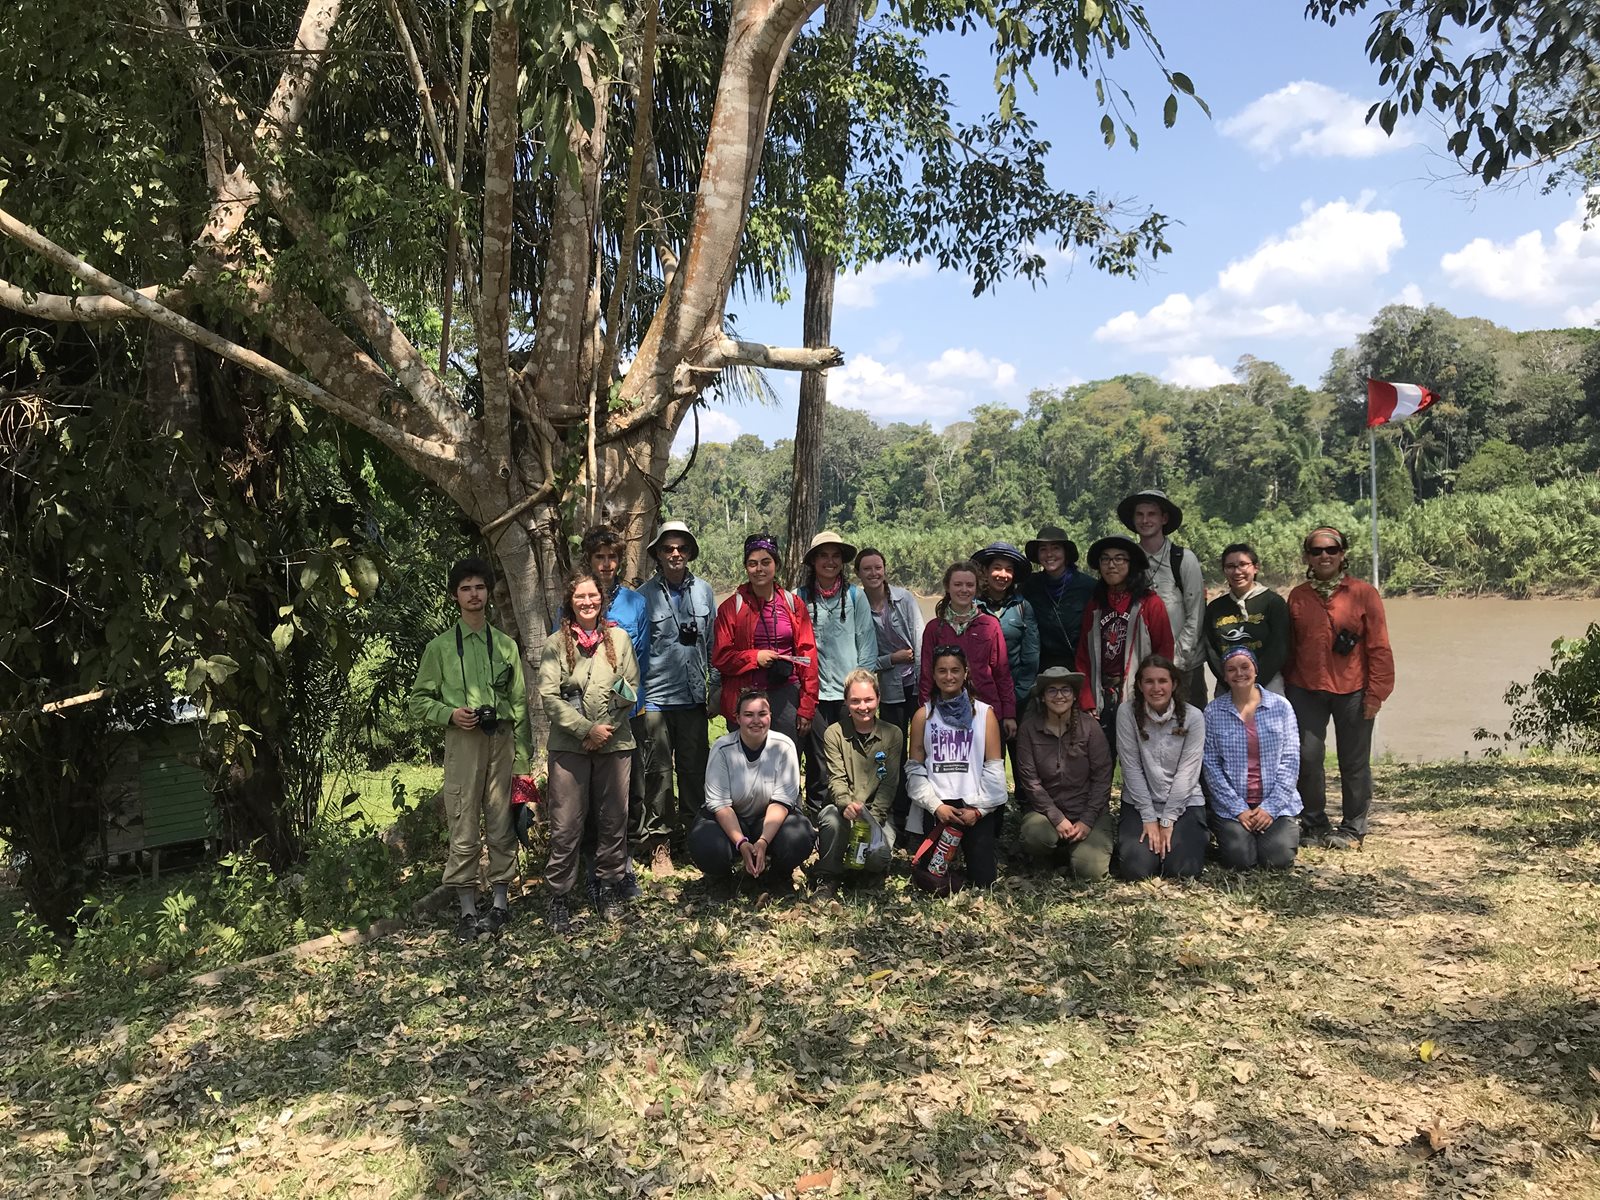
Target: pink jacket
x=984, y=643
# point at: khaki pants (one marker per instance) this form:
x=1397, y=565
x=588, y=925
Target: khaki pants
x=1088, y=859
x=582, y=783
x=477, y=787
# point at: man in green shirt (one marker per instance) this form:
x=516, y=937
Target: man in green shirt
x=466, y=671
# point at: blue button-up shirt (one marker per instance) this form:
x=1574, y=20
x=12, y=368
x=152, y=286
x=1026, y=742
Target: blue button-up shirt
x=1227, y=756
x=678, y=675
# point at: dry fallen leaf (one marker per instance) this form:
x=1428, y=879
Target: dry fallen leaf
x=1242, y=1070
x=1427, y=1050
x=817, y=1179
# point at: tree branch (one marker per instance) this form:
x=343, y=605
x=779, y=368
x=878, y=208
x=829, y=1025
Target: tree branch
x=732, y=352
x=49, y=306
x=499, y=178
x=424, y=97
x=295, y=385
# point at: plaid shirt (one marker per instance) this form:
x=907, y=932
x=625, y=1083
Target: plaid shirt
x=1227, y=756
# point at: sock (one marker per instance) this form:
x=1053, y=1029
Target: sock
x=467, y=897
x=500, y=900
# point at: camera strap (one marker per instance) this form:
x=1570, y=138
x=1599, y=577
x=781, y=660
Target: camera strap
x=461, y=657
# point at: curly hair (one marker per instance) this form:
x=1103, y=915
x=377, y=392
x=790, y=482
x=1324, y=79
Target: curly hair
x=1163, y=663
x=569, y=640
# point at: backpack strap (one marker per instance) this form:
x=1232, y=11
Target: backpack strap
x=1177, y=564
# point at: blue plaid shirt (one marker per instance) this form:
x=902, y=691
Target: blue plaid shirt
x=1227, y=756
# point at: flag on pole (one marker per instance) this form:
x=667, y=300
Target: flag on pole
x=1388, y=402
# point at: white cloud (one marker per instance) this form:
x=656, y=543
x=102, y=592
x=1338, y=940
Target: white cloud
x=1410, y=295
x=1583, y=316
x=1336, y=243
x=1313, y=120
x=960, y=363
x=859, y=289
x=1196, y=371
x=1565, y=268
x=1179, y=323
x=715, y=426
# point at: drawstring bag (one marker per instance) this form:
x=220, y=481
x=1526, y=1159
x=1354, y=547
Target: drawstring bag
x=933, y=866
x=525, y=799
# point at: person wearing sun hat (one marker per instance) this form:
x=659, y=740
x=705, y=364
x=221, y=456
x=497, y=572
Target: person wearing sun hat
x=999, y=596
x=679, y=681
x=847, y=640
x=1175, y=577
x=1063, y=770
x=1123, y=622
x=1058, y=592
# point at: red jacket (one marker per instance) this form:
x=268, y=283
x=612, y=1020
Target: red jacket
x=1149, y=632
x=733, y=650
x=985, y=645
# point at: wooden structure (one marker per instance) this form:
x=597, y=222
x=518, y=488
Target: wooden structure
x=155, y=794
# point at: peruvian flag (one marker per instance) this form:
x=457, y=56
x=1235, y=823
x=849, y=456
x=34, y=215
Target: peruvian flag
x=1388, y=402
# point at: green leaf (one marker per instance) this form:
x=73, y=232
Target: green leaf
x=1169, y=114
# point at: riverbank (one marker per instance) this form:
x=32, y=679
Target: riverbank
x=1415, y=1020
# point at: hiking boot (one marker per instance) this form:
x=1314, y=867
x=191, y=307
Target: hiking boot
x=611, y=903
x=592, y=888
x=661, y=861
x=497, y=920
x=627, y=887
x=467, y=927
x=826, y=890
x=1317, y=836
x=1343, y=840
x=558, y=916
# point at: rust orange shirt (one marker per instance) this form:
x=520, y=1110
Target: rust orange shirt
x=1313, y=623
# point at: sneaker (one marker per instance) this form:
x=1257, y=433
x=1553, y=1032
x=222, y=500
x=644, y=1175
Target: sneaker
x=627, y=888
x=611, y=902
x=592, y=888
x=1315, y=835
x=661, y=861
x=1343, y=840
x=558, y=916
x=467, y=927
x=496, y=920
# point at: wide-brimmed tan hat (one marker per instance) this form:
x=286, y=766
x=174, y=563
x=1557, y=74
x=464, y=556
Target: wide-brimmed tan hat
x=679, y=528
x=829, y=538
x=1048, y=534
x=1058, y=675
x=1174, y=514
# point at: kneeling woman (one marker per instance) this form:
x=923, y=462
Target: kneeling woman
x=863, y=754
x=1252, y=759
x=955, y=774
x=1161, y=742
x=751, y=817
x=588, y=682
x=1064, y=778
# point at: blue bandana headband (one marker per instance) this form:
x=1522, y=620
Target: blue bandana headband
x=1235, y=651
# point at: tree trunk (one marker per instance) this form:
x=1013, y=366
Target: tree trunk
x=822, y=269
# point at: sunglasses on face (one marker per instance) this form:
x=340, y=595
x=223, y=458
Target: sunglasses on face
x=1324, y=550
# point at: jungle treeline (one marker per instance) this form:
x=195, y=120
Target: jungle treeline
x=1493, y=488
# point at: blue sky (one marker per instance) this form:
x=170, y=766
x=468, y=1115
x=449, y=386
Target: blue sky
x=1295, y=223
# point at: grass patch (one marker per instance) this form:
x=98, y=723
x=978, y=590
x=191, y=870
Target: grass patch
x=1416, y=1019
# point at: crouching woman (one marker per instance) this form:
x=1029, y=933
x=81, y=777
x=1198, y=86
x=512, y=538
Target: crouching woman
x=751, y=819
x=1252, y=759
x=863, y=767
x=955, y=774
x=1064, y=779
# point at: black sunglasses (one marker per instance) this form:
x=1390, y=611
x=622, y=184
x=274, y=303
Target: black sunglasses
x=946, y=650
x=1324, y=550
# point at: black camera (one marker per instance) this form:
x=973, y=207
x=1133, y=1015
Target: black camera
x=688, y=635
x=1345, y=641
x=488, y=719
x=572, y=693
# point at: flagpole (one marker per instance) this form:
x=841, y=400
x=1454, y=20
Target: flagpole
x=1372, y=462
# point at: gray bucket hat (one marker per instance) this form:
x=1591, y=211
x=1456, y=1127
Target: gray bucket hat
x=1174, y=514
x=1003, y=550
x=679, y=528
x=1057, y=674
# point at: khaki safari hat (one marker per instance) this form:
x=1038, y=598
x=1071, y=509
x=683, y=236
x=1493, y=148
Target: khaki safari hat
x=829, y=538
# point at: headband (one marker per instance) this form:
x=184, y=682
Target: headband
x=1337, y=535
x=1235, y=651
x=760, y=542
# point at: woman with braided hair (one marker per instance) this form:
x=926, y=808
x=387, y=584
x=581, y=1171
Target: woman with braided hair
x=1161, y=743
x=588, y=683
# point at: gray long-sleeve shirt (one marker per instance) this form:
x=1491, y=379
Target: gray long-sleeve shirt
x=1161, y=772
x=1185, y=609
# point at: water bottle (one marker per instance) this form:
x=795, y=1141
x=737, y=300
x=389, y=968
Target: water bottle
x=855, y=854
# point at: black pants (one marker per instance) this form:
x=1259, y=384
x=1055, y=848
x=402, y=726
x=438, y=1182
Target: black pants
x=899, y=715
x=1352, y=735
x=671, y=742
x=977, y=847
x=1185, y=860
x=713, y=853
x=829, y=712
x=1274, y=847
x=1108, y=725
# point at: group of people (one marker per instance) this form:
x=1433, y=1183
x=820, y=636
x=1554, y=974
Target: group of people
x=854, y=727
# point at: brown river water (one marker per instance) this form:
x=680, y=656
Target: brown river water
x=1454, y=659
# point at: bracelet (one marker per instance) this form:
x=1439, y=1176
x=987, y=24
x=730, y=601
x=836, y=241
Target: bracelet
x=739, y=845
x=762, y=841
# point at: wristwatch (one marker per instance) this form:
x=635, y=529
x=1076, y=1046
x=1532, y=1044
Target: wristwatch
x=1164, y=823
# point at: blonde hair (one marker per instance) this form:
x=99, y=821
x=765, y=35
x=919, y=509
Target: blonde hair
x=862, y=675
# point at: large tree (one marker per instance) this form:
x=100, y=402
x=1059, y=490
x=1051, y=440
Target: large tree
x=559, y=197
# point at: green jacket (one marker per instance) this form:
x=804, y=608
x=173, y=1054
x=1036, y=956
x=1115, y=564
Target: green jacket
x=853, y=767
x=448, y=680
x=608, y=694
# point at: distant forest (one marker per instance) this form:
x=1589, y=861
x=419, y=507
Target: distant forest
x=1262, y=455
